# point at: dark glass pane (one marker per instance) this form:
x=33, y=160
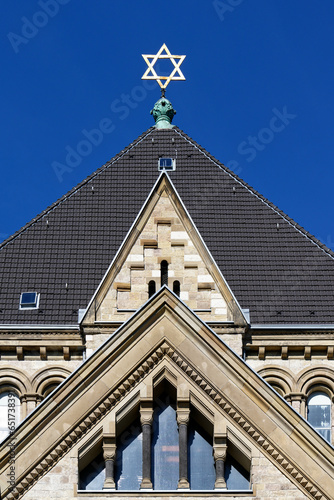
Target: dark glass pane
x=236, y=477
x=128, y=465
x=165, y=448
x=164, y=272
x=176, y=288
x=92, y=477
x=166, y=162
x=28, y=299
x=202, y=472
x=151, y=288
x=319, y=415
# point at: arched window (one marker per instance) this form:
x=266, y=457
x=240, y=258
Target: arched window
x=151, y=288
x=49, y=388
x=319, y=413
x=176, y=288
x=9, y=413
x=278, y=389
x=164, y=272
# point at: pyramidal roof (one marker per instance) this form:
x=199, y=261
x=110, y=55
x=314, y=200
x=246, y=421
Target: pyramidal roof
x=274, y=268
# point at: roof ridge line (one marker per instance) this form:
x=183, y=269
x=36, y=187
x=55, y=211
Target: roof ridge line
x=75, y=189
x=264, y=200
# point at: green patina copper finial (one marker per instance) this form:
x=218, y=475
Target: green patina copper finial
x=163, y=113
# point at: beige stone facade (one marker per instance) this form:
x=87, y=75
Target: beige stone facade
x=130, y=347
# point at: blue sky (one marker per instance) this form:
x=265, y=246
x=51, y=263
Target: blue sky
x=259, y=94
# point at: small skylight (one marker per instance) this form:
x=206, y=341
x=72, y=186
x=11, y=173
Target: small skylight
x=29, y=300
x=166, y=164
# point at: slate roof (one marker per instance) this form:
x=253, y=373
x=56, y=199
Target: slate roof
x=282, y=274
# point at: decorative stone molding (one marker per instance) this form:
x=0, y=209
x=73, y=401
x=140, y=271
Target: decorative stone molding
x=315, y=376
x=276, y=375
x=14, y=378
x=281, y=461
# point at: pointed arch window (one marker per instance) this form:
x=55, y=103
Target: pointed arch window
x=128, y=463
x=200, y=455
x=166, y=456
x=165, y=447
x=319, y=413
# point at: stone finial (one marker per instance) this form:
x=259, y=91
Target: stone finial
x=163, y=113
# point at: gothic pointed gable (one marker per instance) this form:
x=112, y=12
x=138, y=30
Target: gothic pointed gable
x=166, y=341
x=163, y=246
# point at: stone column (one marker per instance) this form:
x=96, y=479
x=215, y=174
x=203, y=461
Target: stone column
x=297, y=401
x=183, y=413
x=219, y=454
x=109, y=454
x=303, y=400
x=146, y=420
x=29, y=403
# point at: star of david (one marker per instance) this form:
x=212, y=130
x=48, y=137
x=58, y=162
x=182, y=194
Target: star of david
x=164, y=53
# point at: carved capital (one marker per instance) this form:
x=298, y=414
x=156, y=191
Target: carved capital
x=220, y=447
x=109, y=453
x=183, y=412
x=219, y=452
x=183, y=417
x=295, y=396
x=146, y=413
x=109, y=446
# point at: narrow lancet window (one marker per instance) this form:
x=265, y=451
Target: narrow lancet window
x=176, y=288
x=164, y=272
x=151, y=288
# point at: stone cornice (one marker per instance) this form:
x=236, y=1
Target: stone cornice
x=291, y=470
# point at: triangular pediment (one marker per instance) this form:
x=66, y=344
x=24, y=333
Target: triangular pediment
x=166, y=336
x=164, y=232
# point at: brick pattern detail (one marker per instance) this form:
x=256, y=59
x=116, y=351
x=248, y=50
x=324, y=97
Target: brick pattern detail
x=118, y=394
x=164, y=237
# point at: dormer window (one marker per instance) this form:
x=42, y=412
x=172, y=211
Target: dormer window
x=29, y=300
x=166, y=164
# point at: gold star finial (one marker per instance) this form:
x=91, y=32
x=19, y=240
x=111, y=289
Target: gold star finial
x=150, y=73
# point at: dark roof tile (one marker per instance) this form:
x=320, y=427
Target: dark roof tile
x=269, y=270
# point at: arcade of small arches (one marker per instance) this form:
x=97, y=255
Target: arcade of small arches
x=310, y=393
x=163, y=281
x=22, y=394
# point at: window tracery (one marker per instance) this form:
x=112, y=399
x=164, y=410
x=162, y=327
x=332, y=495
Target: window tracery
x=171, y=462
